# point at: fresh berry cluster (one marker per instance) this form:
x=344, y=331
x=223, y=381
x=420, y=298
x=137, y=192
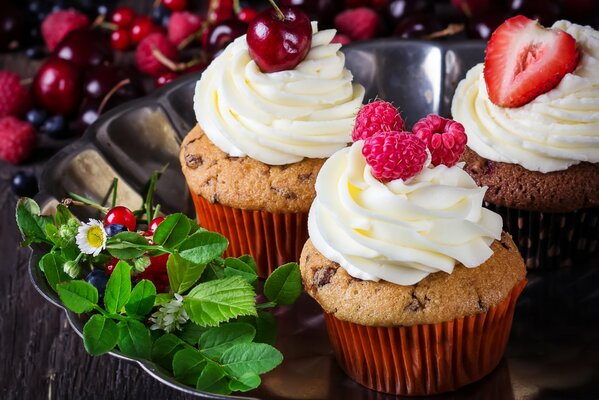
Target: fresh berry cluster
x=393, y=153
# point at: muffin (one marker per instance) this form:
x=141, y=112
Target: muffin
x=416, y=279
x=261, y=138
x=539, y=159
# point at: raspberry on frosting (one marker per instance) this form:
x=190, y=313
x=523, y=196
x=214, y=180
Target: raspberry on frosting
x=394, y=155
x=376, y=117
x=444, y=138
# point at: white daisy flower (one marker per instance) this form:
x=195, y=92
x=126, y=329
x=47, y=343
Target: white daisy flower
x=91, y=237
x=170, y=316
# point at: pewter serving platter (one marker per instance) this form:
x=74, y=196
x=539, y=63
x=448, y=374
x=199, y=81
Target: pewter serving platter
x=553, y=352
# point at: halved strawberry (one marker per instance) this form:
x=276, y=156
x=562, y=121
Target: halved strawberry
x=524, y=60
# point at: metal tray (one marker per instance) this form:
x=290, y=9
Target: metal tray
x=553, y=351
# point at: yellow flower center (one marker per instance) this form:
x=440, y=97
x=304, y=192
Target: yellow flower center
x=95, y=236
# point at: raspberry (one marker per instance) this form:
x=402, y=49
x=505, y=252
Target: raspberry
x=147, y=61
x=181, y=25
x=445, y=138
x=14, y=98
x=17, y=140
x=359, y=23
x=58, y=24
x=341, y=39
x=376, y=117
x=394, y=155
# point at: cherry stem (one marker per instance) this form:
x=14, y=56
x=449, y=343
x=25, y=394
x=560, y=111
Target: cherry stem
x=175, y=67
x=26, y=81
x=278, y=10
x=451, y=29
x=112, y=91
x=236, y=6
x=100, y=21
x=197, y=34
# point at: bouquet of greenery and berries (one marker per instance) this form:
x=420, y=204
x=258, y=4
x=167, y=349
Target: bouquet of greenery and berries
x=164, y=293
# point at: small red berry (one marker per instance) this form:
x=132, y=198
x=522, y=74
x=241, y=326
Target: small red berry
x=123, y=17
x=15, y=100
x=146, y=59
x=247, y=15
x=120, y=40
x=394, y=155
x=142, y=26
x=376, y=117
x=17, y=140
x=182, y=25
x=341, y=39
x=154, y=224
x=175, y=5
x=111, y=265
x=121, y=215
x=220, y=10
x=165, y=78
x=445, y=138
x=58, y=24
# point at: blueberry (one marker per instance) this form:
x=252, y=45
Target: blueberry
x=36, y=117
x=159, y=13
x=104, y=9
x=113, y=229
x=54, y=126
x=24, y=183
x=34, y=53
x=98, y=279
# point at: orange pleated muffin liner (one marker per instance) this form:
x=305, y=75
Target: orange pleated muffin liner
x=272, y=239
x=424, y=359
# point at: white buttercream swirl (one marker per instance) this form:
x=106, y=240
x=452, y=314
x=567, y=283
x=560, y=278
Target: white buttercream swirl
x=281, y=117
x=554, y=131
x=399, y=231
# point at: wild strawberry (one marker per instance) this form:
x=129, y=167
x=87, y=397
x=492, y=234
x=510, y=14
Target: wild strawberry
x=147, y=59
x=182, y=25
x=58, y=24
x=17, y=140
x=394, y=155
x=358, y=23
x=375, y=117
x=445, y=138
x=14, y=98
x=524, y=60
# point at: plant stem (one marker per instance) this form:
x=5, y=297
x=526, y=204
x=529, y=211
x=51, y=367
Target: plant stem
x=278, y=10
x=270, y=304
x=114, y=192
x=83, y=202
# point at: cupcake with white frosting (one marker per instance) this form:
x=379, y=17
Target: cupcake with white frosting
x=417, y=281
x=261, y=138
x=538, y=152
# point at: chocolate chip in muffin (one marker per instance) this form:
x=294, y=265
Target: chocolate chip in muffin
x=323, y=276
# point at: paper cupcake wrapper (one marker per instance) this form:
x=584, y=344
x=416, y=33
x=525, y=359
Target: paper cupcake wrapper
x=271, y=238
x=551, y=240
x=424, y=359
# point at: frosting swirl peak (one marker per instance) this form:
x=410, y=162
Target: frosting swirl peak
x=399, y=231
x=281, y=117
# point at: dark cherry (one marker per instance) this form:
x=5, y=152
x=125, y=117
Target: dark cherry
x=223, y=33
x=247, y=14
x=417, y=26
x=13, y=27
x=175, y=5
x=88, y=114
x=85, y=48
x=279, y=42
x=220, y=10
x=481, y=27
x=99, y=80
x=399, y=9
x=473, y=8
x=57, y=86
x=546, y=12
x=323, y=11
x=122, y=216
x=133, y=90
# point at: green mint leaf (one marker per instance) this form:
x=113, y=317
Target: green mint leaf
x=203, y=246
x=118, y=288
x=172, y=231
x=100, y=335
x=51, y=264
x=164, y=349
x=284, y=285
x=31, y=224
x=125, y=245
x=193, y=225
x=78, y=296
x=191, y=333
x=182, y=273
x=235, y=266
x=142, y=298
x=210, y=303
x=188, y=364
x=214, y=270
x=213, y=379
x=245, y=383
x=255, y=358
x=134, y=339
x=162, y=298
x=63, y=215
x=215, y=341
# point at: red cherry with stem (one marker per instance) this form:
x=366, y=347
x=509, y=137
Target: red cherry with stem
x=279, y=39
x=85, y=48
x=57, y=86
x=121, y=215
x=120, y=39
x=142, y=27
x=247, y=15
x=122, y=17
x=175, y=5
x=154, y=224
